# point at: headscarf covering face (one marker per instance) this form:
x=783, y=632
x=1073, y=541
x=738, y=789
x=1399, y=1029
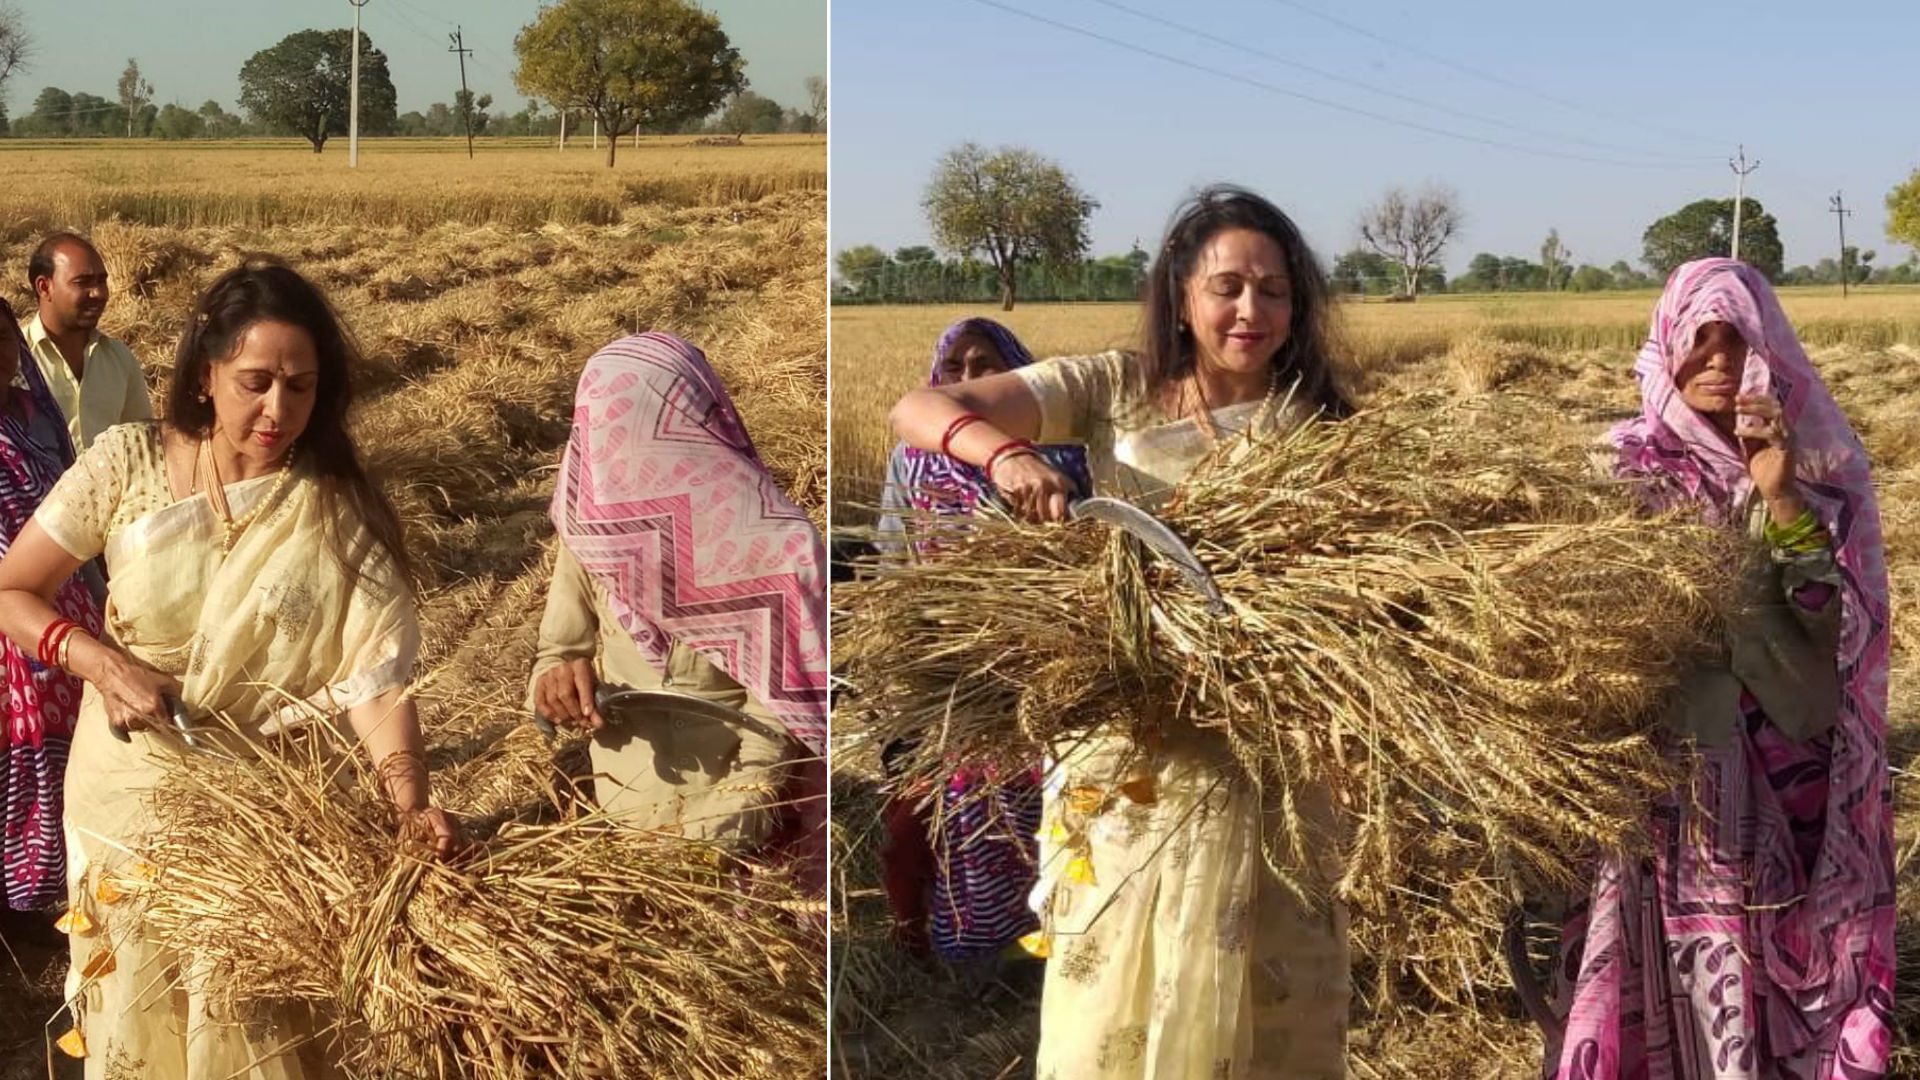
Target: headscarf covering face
x=1829, y=951
x=941, y=484
x=42, y=703
x=666, y=504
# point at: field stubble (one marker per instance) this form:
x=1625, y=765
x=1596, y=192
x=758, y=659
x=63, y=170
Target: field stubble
x=476, y=301
x=1575, y=354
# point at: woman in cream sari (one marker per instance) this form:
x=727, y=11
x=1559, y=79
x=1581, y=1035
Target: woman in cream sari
x=256, y=573
x=1175, y=953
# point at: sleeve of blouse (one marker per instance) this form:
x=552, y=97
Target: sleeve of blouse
x=569, y=630
x=1072, y=392
x=82, y=503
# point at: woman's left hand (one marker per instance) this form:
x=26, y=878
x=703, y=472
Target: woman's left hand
x=431, y=827
x=1768, y=445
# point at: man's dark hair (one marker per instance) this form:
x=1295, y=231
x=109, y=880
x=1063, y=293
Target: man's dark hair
x=41, y=264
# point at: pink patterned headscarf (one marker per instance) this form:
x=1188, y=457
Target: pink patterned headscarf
x=1828, y=953
x=666, y=504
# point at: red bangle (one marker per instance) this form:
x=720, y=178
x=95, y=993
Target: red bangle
x=50, y=639
x=1010, y=448
x=58, y=650
x=946, y=441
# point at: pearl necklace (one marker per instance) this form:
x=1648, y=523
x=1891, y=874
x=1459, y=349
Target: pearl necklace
x=235, y=526
x=1204, y=417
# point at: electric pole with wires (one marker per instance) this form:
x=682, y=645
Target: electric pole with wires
x=466, y=96
x=1740, y=172
x=353, y=92
x=1838, y=206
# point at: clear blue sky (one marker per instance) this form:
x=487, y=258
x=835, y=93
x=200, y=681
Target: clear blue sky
x=192, y=50
x=1668, y=88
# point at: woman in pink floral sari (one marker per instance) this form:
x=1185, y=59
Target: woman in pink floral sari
x=1756, y=943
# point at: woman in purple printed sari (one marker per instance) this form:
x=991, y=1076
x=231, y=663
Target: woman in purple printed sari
x=963, y=890
x=1756, y=943
x=40, y=702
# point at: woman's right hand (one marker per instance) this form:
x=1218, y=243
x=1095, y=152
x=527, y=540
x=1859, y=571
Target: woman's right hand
x=135, y=694
x=564, y=695
x=1032, y=488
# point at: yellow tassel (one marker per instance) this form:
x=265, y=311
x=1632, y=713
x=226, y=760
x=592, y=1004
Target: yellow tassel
x=108, y=891
x=1085, y=799
x=1080, y=871
x=72, y=1044
x=1037, y=944
x=1058, y=834
x=101, y=963
x=74, y=921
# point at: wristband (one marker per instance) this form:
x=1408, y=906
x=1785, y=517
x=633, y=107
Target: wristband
x=946, y=441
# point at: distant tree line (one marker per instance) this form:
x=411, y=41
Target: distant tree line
x=918, y=275
x=652, y=66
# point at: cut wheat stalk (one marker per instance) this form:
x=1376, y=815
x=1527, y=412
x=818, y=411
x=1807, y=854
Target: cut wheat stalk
x=1463, y=632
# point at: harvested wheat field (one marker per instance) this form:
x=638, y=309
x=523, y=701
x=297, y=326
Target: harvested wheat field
x=1565, y=366
x=477, y=290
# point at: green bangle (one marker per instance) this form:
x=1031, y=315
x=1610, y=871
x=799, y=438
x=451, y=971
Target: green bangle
x=1804, y=533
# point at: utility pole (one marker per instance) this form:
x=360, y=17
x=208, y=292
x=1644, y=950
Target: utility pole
x=1740, y=172
x=459, y=47
x=353, y=94
x=1838, y=206
x=596, y=131
x=563, y=131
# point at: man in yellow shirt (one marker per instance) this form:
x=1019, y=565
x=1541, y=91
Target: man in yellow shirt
x=95, y=378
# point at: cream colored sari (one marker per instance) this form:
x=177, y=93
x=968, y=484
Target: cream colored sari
x=268, y=633
x=1174, y=952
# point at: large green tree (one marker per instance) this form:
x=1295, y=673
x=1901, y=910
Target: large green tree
x=302, y=86
x=1010, y=206
x=859, y=266
x=52, y=112
x=1705, y=228
x=1903, y=211
x=750, y=114
x=652, y=64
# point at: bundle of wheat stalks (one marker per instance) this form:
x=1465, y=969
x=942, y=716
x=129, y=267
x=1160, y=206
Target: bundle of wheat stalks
x=562, y=945
x=1458, y=627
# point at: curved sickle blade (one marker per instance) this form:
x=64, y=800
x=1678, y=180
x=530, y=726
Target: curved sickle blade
x=1158, y=537
x=607, y=699
x=183, y=724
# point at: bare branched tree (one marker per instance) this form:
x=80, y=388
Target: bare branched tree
x=1412, y=230
x=16, y=47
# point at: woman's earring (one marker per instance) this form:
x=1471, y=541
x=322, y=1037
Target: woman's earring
x=204, y=398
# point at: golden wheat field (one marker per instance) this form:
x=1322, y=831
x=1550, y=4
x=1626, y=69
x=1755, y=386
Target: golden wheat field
x=1574, y=355
x=476, y=290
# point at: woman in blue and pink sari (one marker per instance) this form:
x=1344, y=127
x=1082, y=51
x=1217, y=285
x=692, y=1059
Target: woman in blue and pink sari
x=959, y=886
x=1756, y=943
x=41, y=702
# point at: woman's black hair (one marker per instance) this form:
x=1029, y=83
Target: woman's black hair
x=264, y=289
x=1169, y=353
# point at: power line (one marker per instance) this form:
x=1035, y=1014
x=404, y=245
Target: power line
x=1498, y=80
x=1355, y=110
x=1395, y=94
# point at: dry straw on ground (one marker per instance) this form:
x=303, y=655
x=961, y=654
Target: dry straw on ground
x=1463, y=638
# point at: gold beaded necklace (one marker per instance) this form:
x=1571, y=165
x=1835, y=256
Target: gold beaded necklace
x=1204, y=416
x=217, y=494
